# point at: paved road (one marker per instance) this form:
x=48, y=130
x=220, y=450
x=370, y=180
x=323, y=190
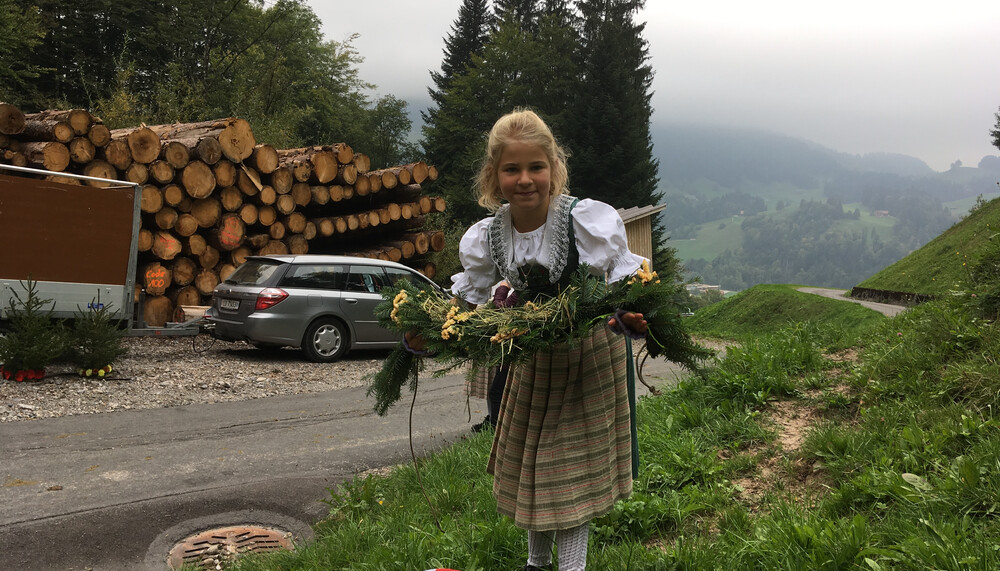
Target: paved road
x=841, y=294
x=117, y=491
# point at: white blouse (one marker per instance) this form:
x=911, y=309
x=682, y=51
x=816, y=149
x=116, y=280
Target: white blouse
x=600, y=240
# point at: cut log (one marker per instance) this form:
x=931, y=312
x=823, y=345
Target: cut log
x=421, y=242
x=301, y=194
x=300, y=167
x=309, y=232
x=166, y=218
x=273, y=247
x=258, y=241
x=198, y=179
x=277, y=230
x=285, y=204
x=336, y=192
x=209, y=258
x=175, y=153
x=238, y=256
x=15, y=158
x=362, y=186
x=157, y=310
x=206, y=280
x=207, y=211
x=206, y=149
x=186, y=296
x=362, y=163
x=225, y=270
x=156, y=278
x=234, y=135
x=194, y=245
x=229, y=234
x=172, y=194
x=81, y=150
x=231, y=199
x=79, y=119
x=47, y=130
x=297, y=244
x=296, y=222
x=225, y=173
x=99, y=169
x=248, y=214
x=118, y=154
x=429, y=269
x=320, y=194
x=264, y=158
x=266, y=195
x=437, y=240
x=388, y=179
x=185, y=204
x=324, y=167
x=137, y=173
x=432, y=172
x=282, y=180
x=347, y=175
x=186, y=225
x=248, y=181
x=11, y=119
x=99, y=135
x=48, y=155
x=324, y=226
x=145, y=240
x=165, y=245
x=188, y=312
x=437, y=204
x=161, y=171
x=406, y=248
x=142, y=143
x=266, y=215
x=418, y=172
x=183, y=270
x=375, y=181
x=343, y=152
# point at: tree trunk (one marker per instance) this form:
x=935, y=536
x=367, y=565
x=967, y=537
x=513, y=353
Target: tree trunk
x=248, y=181
x=137, y=173
x=248, y=214
x=161, y=171
x=175, y=153
x=264, y=158
x=99, y=135
x=225, y=173
x=194, y=245
x=282, y=180
x=297, y=244
x=182, y=270
x=238, y=256
x=420, y=241
x=207, y=211
x=145, y=241
x=347, y=175
x=100, y=169
x=206, y=280
x=81, y=150
x=166, y=218
x=209, y=259
x=362, y=163
x=231, y=199
x=296, y=222
x=80, y=120
x=186, y=296
x=266, y=215
x=186, y=225
x=273, y=247
x=301, y=194
x=234, y=135
x=118, y=154
x=230, y=233
x=319, y=194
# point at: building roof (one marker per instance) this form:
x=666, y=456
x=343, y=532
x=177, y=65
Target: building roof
x=637, y=212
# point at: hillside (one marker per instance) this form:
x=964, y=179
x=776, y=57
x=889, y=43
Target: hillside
x=746, y=207
x=939, y=265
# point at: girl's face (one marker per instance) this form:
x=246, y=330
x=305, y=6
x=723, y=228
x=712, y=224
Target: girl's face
x=524, y=175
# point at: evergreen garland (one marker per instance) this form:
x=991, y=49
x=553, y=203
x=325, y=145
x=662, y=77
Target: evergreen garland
x=489, y=336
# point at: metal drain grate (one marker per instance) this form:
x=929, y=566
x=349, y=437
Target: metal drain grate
x=214, y=549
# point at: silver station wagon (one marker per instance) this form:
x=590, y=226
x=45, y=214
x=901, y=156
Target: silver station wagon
x=323, y=304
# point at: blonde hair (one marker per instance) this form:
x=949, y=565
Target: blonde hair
x=522, y=126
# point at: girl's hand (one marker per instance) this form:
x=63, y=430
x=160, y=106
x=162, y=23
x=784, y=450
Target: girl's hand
x=415, y=343
x=631, y=320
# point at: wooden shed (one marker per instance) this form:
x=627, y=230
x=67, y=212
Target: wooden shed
x=639, y=228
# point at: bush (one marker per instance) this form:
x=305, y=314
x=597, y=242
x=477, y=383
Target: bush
x=34, y=339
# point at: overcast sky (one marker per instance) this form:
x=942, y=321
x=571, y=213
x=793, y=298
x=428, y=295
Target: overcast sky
x=901, y=76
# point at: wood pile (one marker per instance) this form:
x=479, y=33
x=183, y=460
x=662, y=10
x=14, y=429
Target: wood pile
x=212, y=195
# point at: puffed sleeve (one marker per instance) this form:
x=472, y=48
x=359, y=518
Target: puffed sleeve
x=479, y=273
x=601, y=240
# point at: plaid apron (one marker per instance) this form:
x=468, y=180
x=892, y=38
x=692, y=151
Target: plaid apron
x=563, y=450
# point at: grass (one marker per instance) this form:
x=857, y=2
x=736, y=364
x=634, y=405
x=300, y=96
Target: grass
x=939, y=266
x=792, y=452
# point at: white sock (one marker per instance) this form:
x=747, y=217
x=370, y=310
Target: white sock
x=540, y=547
x=572, y=545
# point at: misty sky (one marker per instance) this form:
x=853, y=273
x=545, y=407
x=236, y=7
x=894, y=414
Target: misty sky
x=859, y=76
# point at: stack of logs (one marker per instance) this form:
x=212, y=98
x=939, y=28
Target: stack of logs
x=212, y=195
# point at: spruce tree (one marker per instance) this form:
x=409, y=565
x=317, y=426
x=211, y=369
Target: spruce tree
x=610, y=136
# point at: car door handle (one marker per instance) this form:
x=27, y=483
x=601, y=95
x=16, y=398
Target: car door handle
x=350, y=300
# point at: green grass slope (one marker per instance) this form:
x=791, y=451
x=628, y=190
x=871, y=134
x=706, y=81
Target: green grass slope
x=939, y=265
x=769, y=308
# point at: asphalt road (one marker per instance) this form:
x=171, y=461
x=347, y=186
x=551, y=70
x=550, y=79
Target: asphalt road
x=841, y=294
x=117, y=491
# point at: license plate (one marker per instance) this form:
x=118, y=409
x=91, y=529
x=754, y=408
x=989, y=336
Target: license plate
x=229, y=304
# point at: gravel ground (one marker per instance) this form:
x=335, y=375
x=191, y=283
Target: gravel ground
x=172, y=371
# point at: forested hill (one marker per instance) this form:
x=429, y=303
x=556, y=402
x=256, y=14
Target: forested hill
x=747, y=206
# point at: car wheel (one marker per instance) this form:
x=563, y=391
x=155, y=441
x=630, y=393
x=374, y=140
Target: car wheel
x=325, y=341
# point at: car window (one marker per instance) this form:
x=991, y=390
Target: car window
x=314, y=276
x=396, y=274
x=254, y=272
x=369, y=279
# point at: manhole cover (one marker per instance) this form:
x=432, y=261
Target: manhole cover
x=215, y=548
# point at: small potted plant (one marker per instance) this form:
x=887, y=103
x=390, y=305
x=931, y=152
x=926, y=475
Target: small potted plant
x=95, y=341
x=34, y=338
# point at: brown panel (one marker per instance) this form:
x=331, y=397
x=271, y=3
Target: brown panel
x=65, y=233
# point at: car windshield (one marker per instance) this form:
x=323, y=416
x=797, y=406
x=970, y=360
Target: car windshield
x=254, y=272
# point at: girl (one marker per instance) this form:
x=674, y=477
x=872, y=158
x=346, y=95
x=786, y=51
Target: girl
x=562, y=452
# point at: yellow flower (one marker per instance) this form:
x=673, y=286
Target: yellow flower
x=397, y=302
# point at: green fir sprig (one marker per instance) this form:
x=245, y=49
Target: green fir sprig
x=457, y=335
